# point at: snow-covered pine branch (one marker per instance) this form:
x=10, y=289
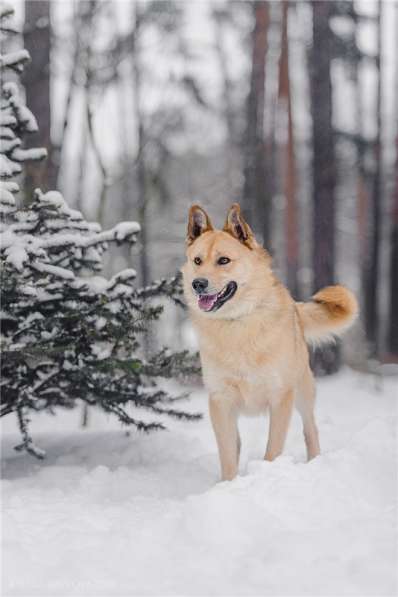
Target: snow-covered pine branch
x=16, y=120
x=68, y=335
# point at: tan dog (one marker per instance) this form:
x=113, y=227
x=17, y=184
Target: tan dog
x=253, y=335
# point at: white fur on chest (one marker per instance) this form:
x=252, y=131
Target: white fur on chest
x=241, y=363
x=253, y=390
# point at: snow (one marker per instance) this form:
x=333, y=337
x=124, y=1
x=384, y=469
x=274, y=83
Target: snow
x=114, y=514
x=8, y=145
x=96, y=284
x=53, y=198
x=6, y=133
x=6, y=197
x=23, y=114
x=9, y=186
x=15, y=59
x=54, y=270
x=8, y=168
x=6, y=10
x=124, y=229
x=126, y=275
x=19, y=246
x=16, y=254
x=22, y=155
x=7, y=119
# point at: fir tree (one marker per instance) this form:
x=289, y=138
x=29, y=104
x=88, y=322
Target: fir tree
x=68, y=335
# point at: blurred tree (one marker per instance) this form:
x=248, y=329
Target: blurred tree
x=369, y=185
x=222, y=16
x=327, y=360
x=371, y=271
x=71, y=79
x=393, y=311
x=80, y=43
x=289, y=161
x=393, y=323
x=256, y=201
x=157, y=128
x=362, y=148
x=142, y=176
x=121, y=63
x=37, y=40
x=94, y=8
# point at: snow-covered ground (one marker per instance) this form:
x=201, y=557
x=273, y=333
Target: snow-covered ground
x=114, y=514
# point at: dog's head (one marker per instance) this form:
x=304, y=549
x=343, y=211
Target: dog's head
x=227, y=271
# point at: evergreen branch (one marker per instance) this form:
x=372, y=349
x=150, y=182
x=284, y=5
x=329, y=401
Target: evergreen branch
x=27, y=442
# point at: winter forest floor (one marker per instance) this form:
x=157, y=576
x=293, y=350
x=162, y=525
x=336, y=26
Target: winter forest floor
x=113, y=514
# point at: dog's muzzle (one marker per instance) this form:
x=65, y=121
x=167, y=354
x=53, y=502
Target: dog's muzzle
x=212, y=302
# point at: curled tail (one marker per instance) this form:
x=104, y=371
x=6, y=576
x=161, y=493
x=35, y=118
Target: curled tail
x=330, y=312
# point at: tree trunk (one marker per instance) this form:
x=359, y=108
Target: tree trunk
x=124, y=159
x=324, y=168
x=228, y=111
x=289, y=170
x=142, y=202
x=393, y=323
x=80, y=25
x=227, y=114
x=36, y=79
x=82, y=170
x=362, y=183
x=371, y=269
x=256, y=201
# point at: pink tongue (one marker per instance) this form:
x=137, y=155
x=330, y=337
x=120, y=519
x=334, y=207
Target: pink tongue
x=206, y=301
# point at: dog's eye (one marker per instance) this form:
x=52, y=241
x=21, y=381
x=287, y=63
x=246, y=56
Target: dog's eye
x=197, y=260
x=223, y=260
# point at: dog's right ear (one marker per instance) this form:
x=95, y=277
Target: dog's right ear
x=198, y=223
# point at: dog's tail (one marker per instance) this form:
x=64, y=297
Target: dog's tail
x=330, y=312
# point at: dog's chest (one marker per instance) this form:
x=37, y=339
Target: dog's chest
x=248, y=374
x=251, y=361
x=251, y=391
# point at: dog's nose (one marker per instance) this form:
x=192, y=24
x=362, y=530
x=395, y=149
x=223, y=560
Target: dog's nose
x=200, y=284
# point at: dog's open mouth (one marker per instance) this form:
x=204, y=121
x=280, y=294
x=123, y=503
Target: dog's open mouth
x=212, y=302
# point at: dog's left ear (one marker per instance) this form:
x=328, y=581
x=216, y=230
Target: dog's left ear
x=236, y=225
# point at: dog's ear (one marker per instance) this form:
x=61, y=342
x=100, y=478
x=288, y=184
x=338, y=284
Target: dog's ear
x=198, y=223
x=236, y=225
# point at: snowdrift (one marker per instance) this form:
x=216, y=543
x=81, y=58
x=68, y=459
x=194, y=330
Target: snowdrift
x=115, y=514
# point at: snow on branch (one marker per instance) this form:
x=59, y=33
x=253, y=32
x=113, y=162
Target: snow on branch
x=49, y=229
x=67, y=335
x=6, y=10
x=14, y=60
x=16, y=120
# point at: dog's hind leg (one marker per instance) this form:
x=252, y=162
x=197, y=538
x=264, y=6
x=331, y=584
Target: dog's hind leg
x=280, y=414
x=239, y=447
x=223, y=416
x=305, y=404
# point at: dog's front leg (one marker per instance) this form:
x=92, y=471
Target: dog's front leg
x=223, y=415
x=280, y=414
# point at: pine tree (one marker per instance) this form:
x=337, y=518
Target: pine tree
x=36, y=81
x=66, y=334
x=289, y=173
x=326, y=361
x=393, y=319
x=255, y=200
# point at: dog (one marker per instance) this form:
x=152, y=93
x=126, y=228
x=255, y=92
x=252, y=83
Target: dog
x=253, y=336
